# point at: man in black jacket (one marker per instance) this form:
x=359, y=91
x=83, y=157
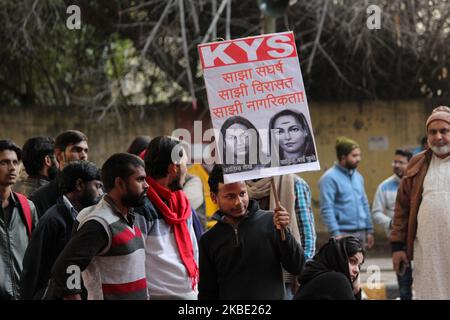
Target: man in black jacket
x=242, y=255
x=71, y=145
x=81, y=187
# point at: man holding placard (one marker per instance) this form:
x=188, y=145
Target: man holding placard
x=242, y=255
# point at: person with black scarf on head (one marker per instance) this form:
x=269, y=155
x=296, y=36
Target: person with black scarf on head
x=333, y=274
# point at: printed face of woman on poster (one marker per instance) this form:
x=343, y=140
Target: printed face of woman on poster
x=239, y=137
x=290, y=129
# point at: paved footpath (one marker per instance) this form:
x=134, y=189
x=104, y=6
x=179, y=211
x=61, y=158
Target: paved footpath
x=378, y=278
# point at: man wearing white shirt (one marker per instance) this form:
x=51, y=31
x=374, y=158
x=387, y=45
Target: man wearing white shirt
x=383, y=210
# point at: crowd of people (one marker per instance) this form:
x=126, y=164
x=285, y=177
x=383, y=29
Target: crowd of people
x=148, y=226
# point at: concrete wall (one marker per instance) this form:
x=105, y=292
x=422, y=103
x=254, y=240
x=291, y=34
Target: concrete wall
x=105, y=138
x=380, y=127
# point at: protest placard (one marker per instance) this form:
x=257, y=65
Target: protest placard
x=258, y=105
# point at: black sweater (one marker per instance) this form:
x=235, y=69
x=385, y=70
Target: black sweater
x=245, y=263
x=47, y=242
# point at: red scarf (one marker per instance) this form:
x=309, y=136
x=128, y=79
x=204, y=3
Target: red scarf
x=176, y=213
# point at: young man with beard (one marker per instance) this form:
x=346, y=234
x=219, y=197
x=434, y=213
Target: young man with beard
x=40, y=164
x=343, y=201
x=295, y=195
x=167, y=224
x=17, y=220
x=70, y=146
x=383, y=211
x=107, y=247
x=81, y=186
x=421, y=224
x=242, y=256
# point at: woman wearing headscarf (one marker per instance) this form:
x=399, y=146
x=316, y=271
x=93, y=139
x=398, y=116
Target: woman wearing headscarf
x=333, y=274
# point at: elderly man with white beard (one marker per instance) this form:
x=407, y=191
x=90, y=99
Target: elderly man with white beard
x=421, y=225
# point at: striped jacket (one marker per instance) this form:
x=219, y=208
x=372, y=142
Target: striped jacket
x=118, y=272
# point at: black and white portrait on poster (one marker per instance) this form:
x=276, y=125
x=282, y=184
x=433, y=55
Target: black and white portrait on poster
x=291, y=133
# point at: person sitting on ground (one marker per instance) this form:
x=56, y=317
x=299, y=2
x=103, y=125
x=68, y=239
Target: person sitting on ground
x=333, y=274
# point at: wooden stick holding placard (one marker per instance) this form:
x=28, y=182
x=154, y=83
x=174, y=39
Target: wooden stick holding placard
x=278, y=204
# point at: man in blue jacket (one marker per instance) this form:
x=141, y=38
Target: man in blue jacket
x=343, y=201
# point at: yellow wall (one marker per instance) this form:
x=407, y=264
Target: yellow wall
x=105, y=138
x=402, y=122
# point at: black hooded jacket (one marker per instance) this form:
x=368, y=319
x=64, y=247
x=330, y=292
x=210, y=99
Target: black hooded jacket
x=327, y=276
x=245, y=263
